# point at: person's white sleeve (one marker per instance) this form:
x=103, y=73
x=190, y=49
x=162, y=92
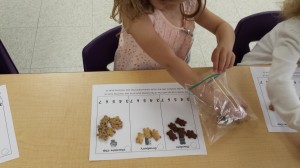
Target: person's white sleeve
x=280, y=86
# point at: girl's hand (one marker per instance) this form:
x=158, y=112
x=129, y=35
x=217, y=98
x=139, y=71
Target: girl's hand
x=222, y=58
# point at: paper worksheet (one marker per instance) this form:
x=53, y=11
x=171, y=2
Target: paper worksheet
x=140, y=106
x=8, y=144
x=273, y=121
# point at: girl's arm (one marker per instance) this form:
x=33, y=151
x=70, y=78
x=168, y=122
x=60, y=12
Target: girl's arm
x=222, y=56
x=280, y=86
x=150, y=41
x=145, y=35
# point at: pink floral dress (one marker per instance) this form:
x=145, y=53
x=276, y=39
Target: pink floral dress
x=130, y=56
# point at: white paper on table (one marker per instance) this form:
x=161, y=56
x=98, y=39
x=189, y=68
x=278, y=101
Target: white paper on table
x=273, y=121
x=140, y=106
x=8, y=144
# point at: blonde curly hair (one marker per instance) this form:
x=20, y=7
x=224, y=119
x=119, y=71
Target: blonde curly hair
x=291, y=8
x=135, y=8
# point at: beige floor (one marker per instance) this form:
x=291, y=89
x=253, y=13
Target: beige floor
x=48, y=35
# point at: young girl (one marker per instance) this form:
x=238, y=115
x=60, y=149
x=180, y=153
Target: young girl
x=281, y=48
x=159, y=34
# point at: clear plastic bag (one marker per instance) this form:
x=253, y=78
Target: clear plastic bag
x=220, y=108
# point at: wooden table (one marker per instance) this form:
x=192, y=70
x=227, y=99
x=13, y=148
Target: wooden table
x=51, y=114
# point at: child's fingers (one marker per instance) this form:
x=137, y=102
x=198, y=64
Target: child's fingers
x=215, y=59
x=244, y=104
x=222, y=59
x=238, y=101
x=230, y=60
x=222, y=62
x=219, y=60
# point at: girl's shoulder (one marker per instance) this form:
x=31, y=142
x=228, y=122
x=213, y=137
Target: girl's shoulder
x=293, y=22
x=291, y=26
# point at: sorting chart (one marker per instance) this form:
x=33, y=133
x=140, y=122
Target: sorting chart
x=273, y=121
x=142, y=106
x=8, y=144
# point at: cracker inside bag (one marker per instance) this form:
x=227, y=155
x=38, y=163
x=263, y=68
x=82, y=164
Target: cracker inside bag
x=220, y=108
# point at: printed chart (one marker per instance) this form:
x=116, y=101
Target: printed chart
x=8, y=145
x=273, y=121
x=139, y=107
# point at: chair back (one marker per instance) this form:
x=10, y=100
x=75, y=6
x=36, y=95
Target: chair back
x=7, y=66
x=101, y=51
x=253, y=28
